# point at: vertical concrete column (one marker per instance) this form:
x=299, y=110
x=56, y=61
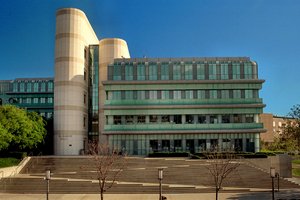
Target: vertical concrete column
x=183, y=119
x=244, y=144
x=207, y=119
x=109, y=49
x=256, y=118
x=147, y=119
x=256, y=142
x=219, y=118
x=183, y=144
x=195, y=119
x=207, y=144
x=110, y=120
x=73, y=34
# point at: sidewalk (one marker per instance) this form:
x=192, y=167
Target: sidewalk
x=286, y=195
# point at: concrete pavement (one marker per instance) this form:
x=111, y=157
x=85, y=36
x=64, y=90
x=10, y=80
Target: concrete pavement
x=283, y=195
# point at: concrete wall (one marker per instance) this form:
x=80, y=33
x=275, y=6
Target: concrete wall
x=73, y=34
x=109, y=49
x=282, y=164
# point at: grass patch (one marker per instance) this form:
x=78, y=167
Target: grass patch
x=8, y=162
x=296, y=172
x=296, y=161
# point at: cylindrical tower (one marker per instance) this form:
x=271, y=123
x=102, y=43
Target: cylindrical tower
x=109, y=49
x=73, y=35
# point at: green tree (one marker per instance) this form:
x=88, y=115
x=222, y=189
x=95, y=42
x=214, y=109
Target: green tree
x=20, y=129
x=289, y=139
x=5, y=137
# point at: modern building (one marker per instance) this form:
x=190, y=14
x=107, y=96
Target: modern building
x=33, y=94
x=183, y=104
x=141, y=105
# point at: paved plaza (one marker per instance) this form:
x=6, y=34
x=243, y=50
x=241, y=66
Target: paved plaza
x=282, y=195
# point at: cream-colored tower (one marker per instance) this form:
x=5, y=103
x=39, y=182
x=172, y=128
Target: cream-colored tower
x=73, y=35
x=109, y=49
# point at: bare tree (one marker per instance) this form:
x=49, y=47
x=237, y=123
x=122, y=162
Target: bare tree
x=221, y=165
x=108, y=164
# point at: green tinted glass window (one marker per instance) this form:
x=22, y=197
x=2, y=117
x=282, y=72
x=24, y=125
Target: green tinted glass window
x=189, y=94
x=141, y=72
x=28, y=87
x=43, y=87
x=152, y=94
x=237, y=94
x=128, y=94
x=200, y=71
x=15, y=87
x=165, y=71
x=188, y=71
x=248, y=94
x=128, y=72
x=224, y=71
x=117, y=72
x=141, y=94
x=152, y=72
x=213, y=94
x=176, y=71
x=22, y=87
x=248, y=70
x=50, y=86
x=165, y=94
x=225, y=94
x=177, y=94
x=236, y=72
x=201, y=94
x=116, y=95
x=36, y=87
x=212, y=71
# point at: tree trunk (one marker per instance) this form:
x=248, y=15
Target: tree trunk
x=101, y=196
x=217, y=193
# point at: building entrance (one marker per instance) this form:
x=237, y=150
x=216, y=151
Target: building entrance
x=190, y=146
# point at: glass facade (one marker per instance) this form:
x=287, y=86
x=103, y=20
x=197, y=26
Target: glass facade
x=179, y=70
x=143, y=144
x=183, y=105
x=93, y=96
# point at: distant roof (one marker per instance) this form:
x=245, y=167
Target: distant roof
x=35, y=79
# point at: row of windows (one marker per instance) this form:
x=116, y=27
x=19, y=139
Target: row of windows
x=182, y=71
x=182, y=94
x=180, y=119
x=33, y=86
x=46, y=115
x=35, y=100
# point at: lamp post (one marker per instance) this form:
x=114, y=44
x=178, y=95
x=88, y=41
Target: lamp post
x=278, y=177
x=48, y=177
x=160, y=177
x=272, y=174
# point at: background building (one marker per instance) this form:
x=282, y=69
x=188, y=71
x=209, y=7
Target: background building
x=33, y=94
x=273, y=125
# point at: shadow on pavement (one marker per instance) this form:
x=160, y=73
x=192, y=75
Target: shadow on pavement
x=282, y=195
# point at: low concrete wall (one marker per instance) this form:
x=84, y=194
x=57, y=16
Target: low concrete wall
x=281, y=162
x=12, y=171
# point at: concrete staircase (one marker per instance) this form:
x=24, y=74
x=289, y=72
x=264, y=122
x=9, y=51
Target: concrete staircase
x=76, y=175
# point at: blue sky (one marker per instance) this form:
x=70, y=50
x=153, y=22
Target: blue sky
x=267, y=31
